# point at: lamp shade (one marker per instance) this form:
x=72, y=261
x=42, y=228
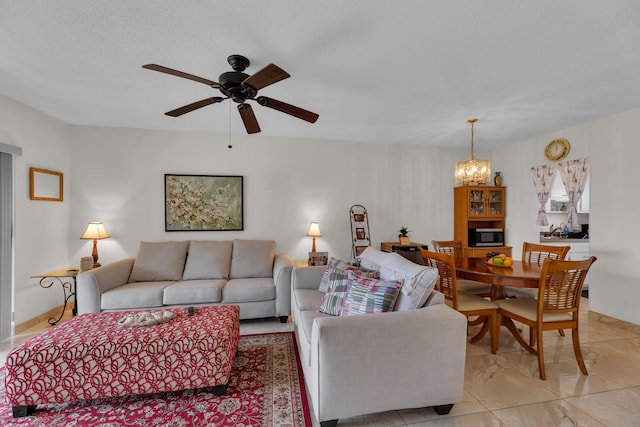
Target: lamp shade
x=95, y=231
x=314, y=230
x=473, y=170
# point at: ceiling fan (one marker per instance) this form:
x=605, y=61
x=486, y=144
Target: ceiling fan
x=240, y=87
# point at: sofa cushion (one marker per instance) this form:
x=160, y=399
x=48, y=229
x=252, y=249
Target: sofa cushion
x=194, y=292
x=134, y=295
x=419, y=281
x=306, y=319
x=252, y=258
x=307, y=299
x=247, y=290
x=336, y=264
x=208, y=260
x=159, y=261
x=366, y=296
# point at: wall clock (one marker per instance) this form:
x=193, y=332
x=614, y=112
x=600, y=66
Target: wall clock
x=557, y=149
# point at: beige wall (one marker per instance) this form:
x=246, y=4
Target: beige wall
x=41, y=228
x=288, y=183
x=612, y=146
x=116, y=176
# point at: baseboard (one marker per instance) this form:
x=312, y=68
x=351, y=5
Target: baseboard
x=44, y=317
x=603, y=318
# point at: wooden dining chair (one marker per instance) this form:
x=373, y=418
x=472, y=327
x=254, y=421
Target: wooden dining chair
x=533, y=253
x=454, y=248
x=557, y=307
x=468, y=304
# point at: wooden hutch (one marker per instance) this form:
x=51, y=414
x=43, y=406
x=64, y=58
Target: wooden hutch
x=479, y=206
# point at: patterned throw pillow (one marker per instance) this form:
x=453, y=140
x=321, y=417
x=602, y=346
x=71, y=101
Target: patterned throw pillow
x=338, y=284
x=366, y=295
x=334, y=264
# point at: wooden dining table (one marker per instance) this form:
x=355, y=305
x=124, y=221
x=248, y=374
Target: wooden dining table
x=524, y=275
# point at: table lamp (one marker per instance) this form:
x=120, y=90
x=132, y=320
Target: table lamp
x=95, y=231
x=314, y=231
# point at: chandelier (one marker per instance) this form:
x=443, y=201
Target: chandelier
x=474, y=170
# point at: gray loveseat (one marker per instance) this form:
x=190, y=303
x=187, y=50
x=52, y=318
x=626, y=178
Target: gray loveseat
x=247, y=273
x=411, y=357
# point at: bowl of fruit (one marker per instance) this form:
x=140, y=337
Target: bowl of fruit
x=496, y=259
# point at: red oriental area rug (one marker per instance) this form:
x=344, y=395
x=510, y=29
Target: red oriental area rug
x=266, y=389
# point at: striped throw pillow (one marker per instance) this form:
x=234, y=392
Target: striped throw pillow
x=338, y=264
x=366, y=295
x=338, y=285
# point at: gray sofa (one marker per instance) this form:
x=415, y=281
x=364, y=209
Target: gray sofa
x=411, y=357
x=247, y=273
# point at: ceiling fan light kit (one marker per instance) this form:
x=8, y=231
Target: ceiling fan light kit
x=240, y=88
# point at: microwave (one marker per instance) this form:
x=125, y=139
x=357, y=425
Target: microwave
x=486, y=237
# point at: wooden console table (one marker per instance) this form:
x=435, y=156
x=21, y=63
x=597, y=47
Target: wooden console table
x=68, y=286
x=390, y=246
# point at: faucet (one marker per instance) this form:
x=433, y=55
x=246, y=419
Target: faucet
x=553, y=230
x=564, y=231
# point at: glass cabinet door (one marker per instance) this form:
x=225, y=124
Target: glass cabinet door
x=486, y=203
x=496, y=202
x=477, y=204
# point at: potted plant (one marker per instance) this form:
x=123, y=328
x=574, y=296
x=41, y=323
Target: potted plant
x=403, y=237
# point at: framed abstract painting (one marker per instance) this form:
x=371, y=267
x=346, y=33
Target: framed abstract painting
x=203, y=203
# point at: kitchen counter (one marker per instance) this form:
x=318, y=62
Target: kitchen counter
x=561, y=239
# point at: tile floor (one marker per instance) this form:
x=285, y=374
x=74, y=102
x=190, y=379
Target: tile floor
x=505, y=390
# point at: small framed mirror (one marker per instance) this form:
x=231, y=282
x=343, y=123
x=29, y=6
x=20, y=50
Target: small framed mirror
x=45, y=185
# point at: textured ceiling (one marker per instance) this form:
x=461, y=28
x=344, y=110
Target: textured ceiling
x=375, y=70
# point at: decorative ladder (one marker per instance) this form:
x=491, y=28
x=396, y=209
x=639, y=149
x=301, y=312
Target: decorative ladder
x=360, y=236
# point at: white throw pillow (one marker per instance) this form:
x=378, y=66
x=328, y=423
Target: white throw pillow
x=418, y=280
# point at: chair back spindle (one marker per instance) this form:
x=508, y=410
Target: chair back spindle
x=446, y=275
x=561, y=285
x=453, y=247
x=533, y=253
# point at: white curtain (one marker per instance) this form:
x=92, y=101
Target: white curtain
x=574, y=177
x=543, y=181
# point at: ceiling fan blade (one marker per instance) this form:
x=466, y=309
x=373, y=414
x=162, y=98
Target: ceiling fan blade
x=166, y=70
x=248, y=118
x=288, y=109
x=194, y=106
x=267, y=76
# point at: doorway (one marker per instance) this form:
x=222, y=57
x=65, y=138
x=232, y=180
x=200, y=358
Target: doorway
x=6, y=238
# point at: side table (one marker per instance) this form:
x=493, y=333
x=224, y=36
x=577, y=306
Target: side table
x=394, y=246
x=68, y=286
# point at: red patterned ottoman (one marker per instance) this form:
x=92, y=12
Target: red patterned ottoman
x=92, y=357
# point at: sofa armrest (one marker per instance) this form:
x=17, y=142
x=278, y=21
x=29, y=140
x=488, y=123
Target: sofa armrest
x=307, y=277
x=93, y=283
x=423, y=350
x=282, y=266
